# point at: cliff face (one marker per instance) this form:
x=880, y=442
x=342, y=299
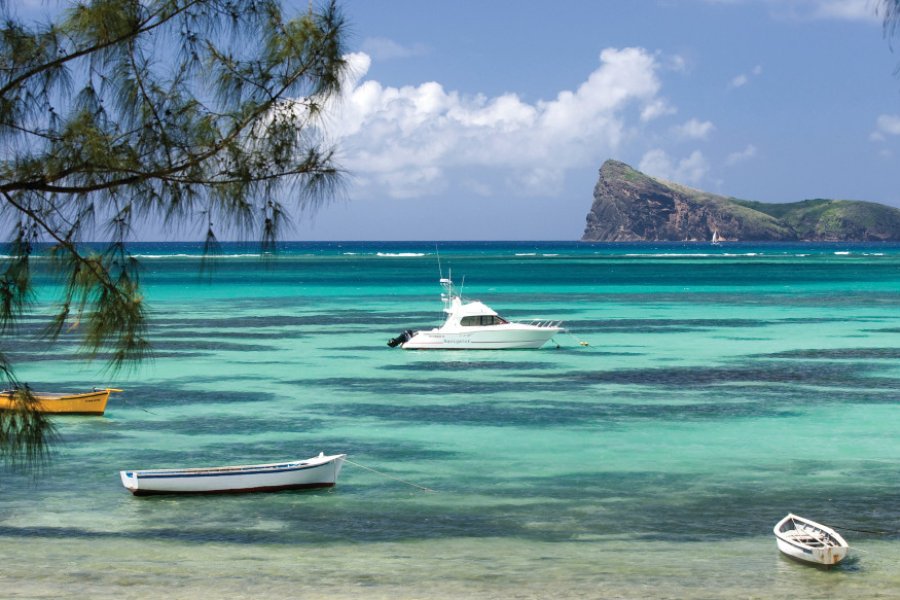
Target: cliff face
x=630, y=206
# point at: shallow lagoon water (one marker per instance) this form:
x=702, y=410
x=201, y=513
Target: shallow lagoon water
x=722, y=387
x=457, y=568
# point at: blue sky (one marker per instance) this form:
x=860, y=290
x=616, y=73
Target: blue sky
x=489, y=119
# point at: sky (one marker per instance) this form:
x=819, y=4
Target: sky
x=490, y=119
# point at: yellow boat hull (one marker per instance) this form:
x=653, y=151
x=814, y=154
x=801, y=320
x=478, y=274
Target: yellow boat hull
x=88, y=403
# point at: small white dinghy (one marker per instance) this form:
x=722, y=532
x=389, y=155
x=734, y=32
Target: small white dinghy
x=317, y=472
x=809, y=541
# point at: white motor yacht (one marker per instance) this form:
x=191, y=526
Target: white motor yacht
x=473, y=325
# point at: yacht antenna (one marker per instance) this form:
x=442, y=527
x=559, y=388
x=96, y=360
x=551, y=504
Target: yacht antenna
x=446, y=284
x=438, y=254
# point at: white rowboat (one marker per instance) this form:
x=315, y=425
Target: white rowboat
x=809, y=541
x=316, y=472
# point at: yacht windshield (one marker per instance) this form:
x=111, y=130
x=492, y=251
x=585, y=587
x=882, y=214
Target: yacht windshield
x=482, y=320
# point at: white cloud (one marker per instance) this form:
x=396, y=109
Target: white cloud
x=677, y=63
x=694, y=129
x=476, y=187
x=408, y=185
x=536, y=181
x=656, y=109
x=744, y=78
x=739, y=81
x=844, y=10
x=406, y=140
x=885, y=125
x=738, y=157
x=381, y=49
x=688, y=170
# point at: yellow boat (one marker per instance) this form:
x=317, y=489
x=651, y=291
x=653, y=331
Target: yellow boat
x=88, y=403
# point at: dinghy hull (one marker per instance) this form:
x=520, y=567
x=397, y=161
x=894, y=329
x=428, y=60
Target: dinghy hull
x=809, y=542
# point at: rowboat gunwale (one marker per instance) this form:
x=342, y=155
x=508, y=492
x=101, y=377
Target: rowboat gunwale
x=230, y=470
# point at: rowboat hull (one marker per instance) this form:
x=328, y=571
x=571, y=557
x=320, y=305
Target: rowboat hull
x=809, y=542
x=89, y=403
x=817, y=556
x=318, y=472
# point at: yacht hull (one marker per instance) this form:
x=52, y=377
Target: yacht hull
x=494, y=338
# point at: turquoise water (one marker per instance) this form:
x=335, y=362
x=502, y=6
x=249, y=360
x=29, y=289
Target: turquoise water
x=721, y=388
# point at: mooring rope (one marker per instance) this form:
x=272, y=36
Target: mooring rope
x=872, y=531
x=572, y=335
x=423, y=488
x=132, y=405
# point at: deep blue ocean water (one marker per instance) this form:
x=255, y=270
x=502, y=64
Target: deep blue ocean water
x=722, y=387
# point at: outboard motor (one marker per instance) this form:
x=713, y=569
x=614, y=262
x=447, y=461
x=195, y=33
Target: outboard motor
x=402, y=338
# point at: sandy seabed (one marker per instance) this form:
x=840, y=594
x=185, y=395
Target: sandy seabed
x=459, y=568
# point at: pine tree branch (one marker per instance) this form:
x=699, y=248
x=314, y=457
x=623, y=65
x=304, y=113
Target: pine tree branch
x=140, y=29
x=101, y=275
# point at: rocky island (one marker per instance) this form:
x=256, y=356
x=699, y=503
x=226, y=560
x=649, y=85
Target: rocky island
x=630, y=206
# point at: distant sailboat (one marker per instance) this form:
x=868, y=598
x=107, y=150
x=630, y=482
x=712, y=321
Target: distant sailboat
x=716, y=238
